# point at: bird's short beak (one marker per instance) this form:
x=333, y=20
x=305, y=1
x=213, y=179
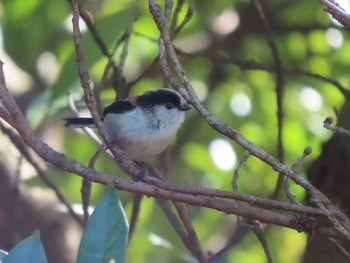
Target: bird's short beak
x=185, y=107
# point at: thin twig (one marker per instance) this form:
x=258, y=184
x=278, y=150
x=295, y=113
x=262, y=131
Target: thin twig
x=88, y=131
x=292, y=198
x=279, y=93
x=175, y=222
x=87, y=185
x=255, y=65
x=192, y=235
x=260, y=234
x=136, y=206
x=85, y=191
x=337, y=12
x=297, y=162
x=175, y=17
x=148, y=69
x=6, y=116
x=242, y=160
x=340, y=248
x=121, y=84
x=189, y=15
x=258, y=229
x=327, y=123
x=167, y=10
x=96, y=36
x=307, y=151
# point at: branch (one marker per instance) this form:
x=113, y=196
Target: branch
x=195, y=244
x=6, y=116
x=327, y=124
x=217, y=125
x=66, y=164
x=297, y=162
x=185, y=88
x=128, y=166
x=260, y=234
x=242, y=160
x=279, y=92
x=255, y=65
x=337, y=12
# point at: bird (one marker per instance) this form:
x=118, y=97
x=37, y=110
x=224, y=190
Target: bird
x=142, y=126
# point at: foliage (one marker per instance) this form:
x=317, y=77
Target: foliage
x=106, y=233
x=37, y=37
x=104, y=239
x=28, y=250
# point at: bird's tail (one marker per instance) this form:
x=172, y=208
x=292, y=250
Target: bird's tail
x=79, y=122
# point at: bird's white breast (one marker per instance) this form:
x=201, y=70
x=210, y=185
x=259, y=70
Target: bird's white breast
x=141, y=134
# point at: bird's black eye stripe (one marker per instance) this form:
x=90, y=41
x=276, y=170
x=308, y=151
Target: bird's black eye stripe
x=169, y=106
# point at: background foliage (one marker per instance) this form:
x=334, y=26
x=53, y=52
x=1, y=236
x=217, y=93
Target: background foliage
x=40, y=69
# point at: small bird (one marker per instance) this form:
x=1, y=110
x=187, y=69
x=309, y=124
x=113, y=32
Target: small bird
x=141, y=126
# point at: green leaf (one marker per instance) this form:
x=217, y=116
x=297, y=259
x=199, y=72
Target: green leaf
x=3, y=255
x=28, y=250
x=106, y=234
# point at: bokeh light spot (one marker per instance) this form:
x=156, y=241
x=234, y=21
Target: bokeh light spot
x=310, y=99
x=225, y=23
x=240, y=104
x=222, y=154
x=334, y=38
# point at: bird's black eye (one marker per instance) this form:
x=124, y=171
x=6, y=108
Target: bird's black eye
x=169, y=106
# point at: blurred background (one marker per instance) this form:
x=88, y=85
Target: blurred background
x=220, y=48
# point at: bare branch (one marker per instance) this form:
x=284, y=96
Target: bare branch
x=192, y=235
x=6, y=116
x=327, y=124
x=60, y=160
x=279, y=92
x=337, y=12
x=235, y=174
x=175, y=18
x=260, y=234
x=85, y=197
x=124, y=163
x=255, y=65
x=136, y=205
x=165, y=44
x=189, y=15
x=175, y=222
x=340, y=248
x=222, y=128
x=290, y=195
x=335, y=221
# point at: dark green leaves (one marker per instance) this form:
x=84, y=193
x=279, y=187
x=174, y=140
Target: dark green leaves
x=104, y=239
x=106, y=234
x=30, y=250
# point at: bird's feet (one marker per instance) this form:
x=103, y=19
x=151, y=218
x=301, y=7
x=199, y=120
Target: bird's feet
x=141, y=173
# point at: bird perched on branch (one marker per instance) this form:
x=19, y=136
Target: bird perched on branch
x=141, y=126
